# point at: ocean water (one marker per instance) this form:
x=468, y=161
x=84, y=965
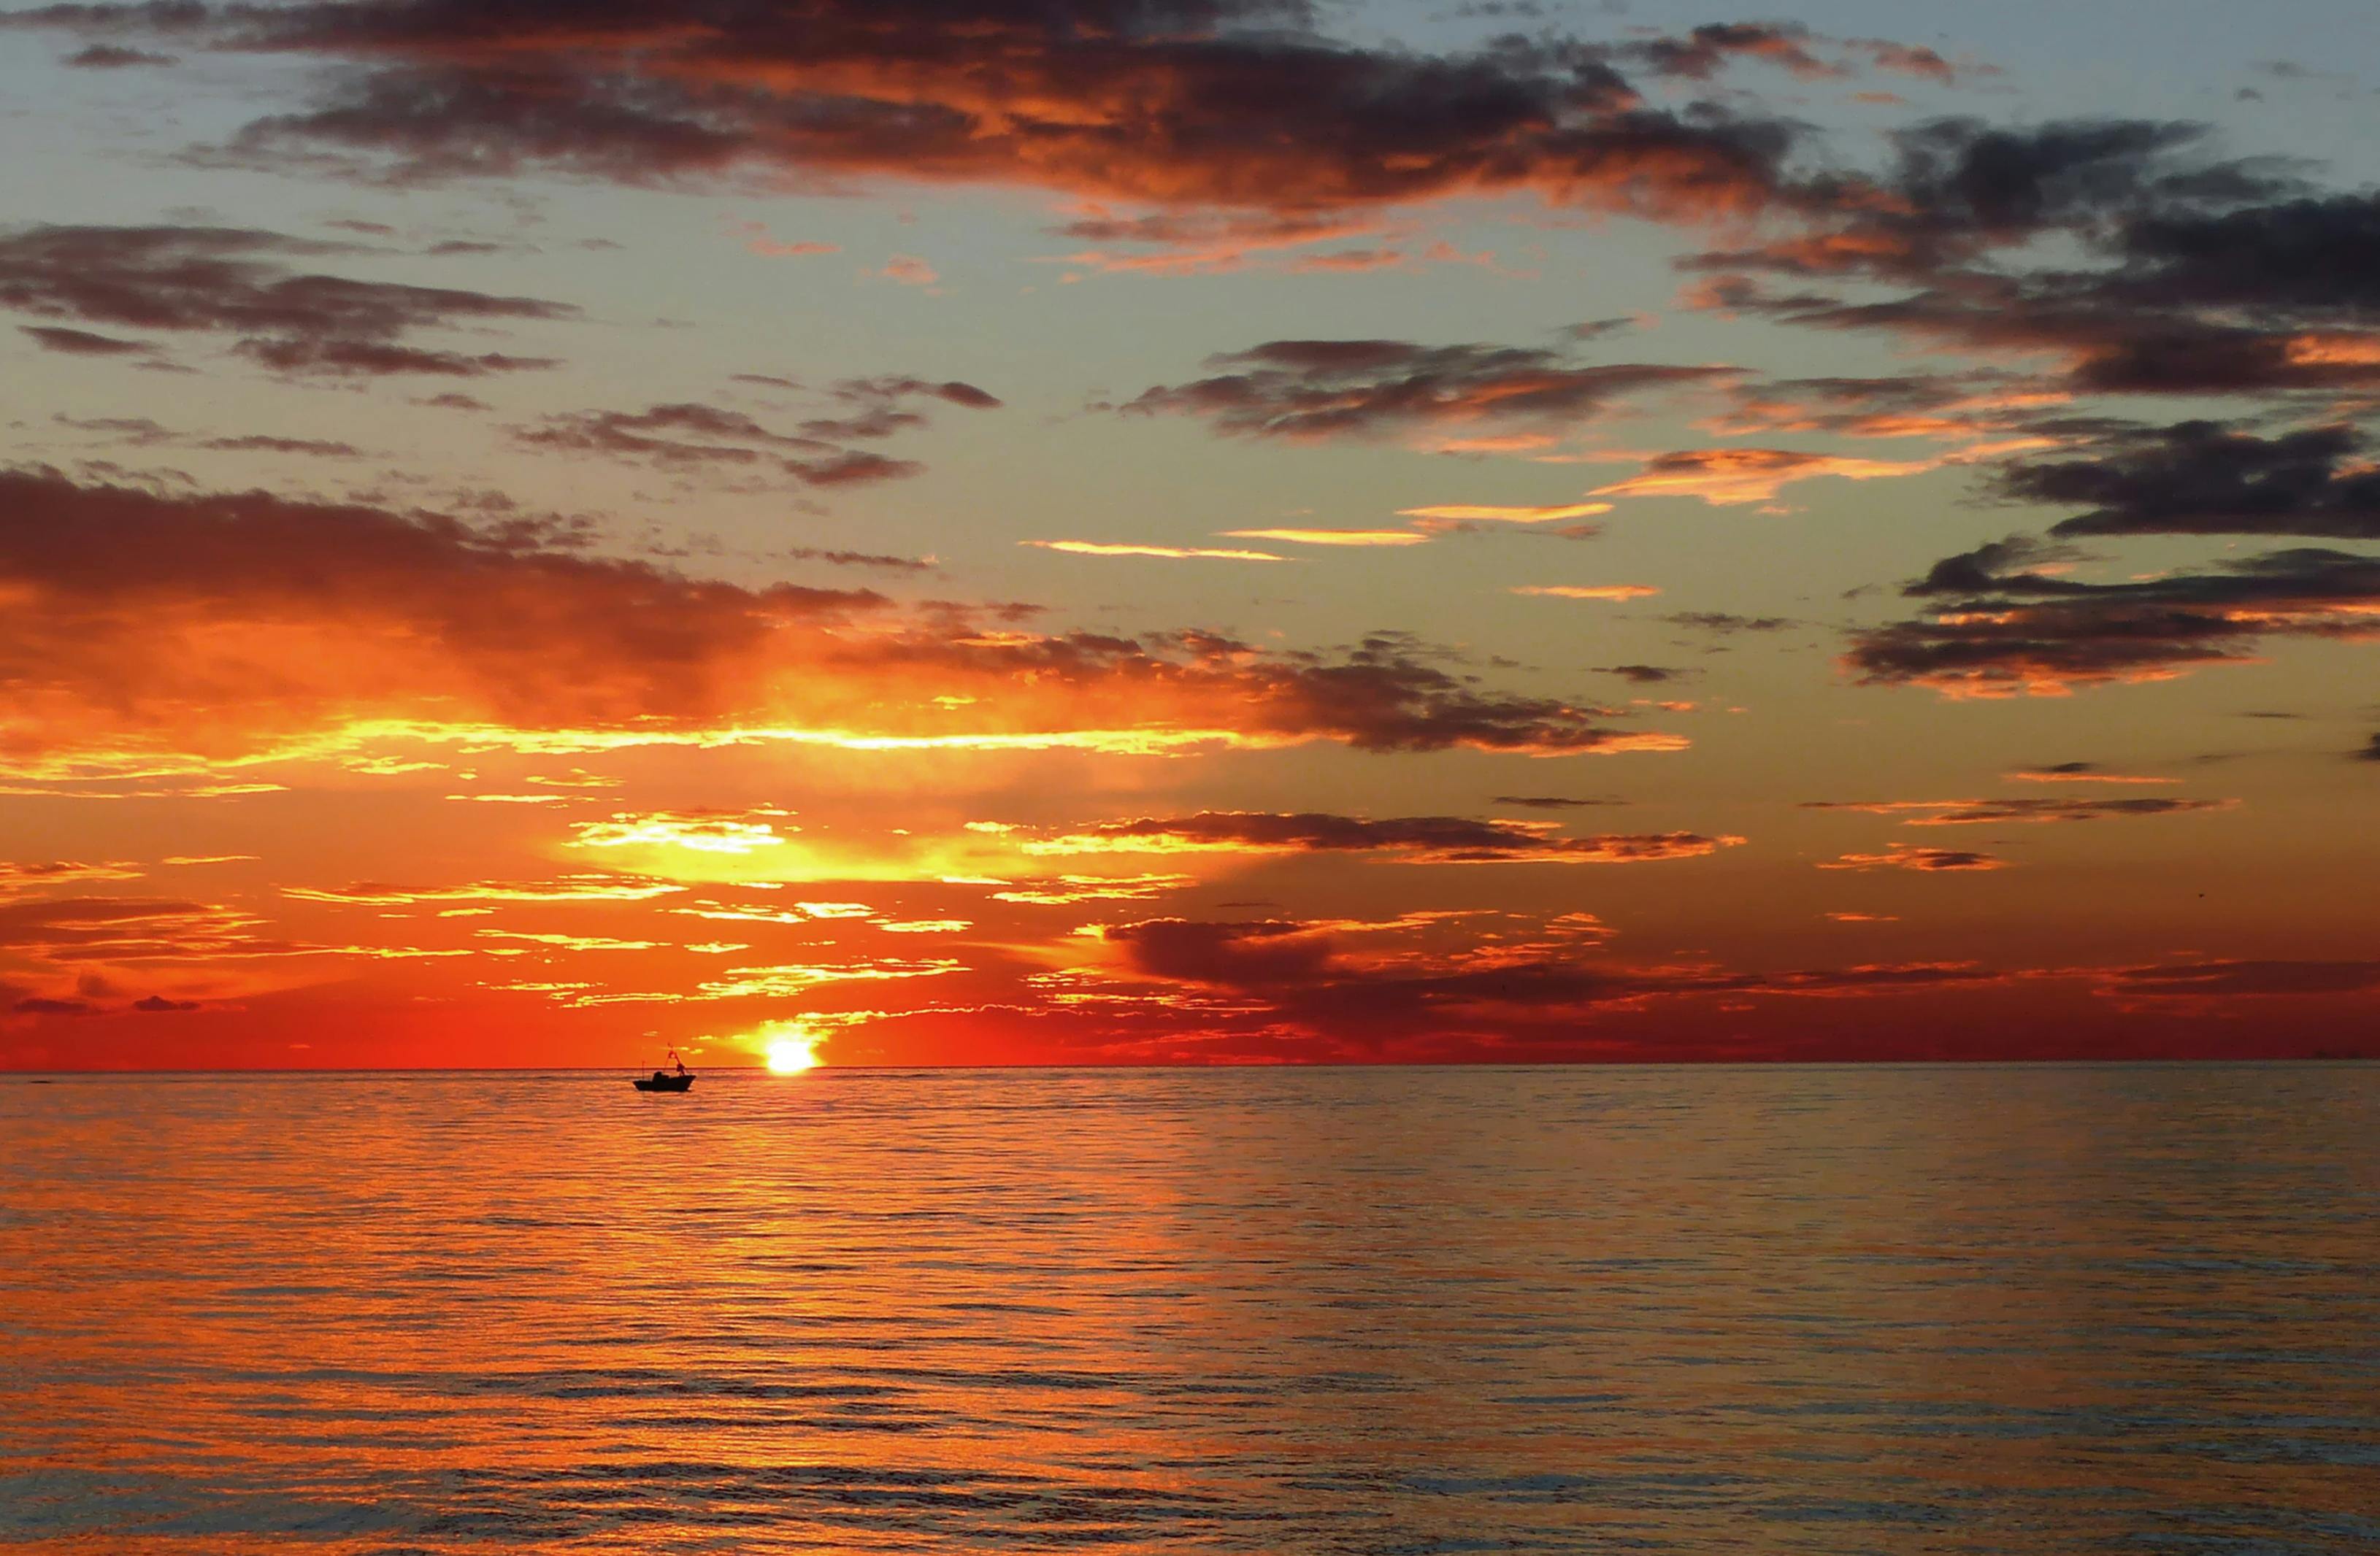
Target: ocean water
x=1792, y=1309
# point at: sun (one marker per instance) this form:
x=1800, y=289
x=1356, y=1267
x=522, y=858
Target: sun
x=787, y=1049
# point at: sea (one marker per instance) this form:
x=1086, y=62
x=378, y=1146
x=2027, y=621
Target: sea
x=1781, y=1309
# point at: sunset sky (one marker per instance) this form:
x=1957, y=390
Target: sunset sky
x=1186, y=530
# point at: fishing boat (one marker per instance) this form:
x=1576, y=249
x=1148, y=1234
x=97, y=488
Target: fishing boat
x=678, y=1079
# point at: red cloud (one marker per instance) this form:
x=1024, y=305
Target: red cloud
x=147, y=629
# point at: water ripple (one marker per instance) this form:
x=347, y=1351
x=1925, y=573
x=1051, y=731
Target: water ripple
x=1982, y=1312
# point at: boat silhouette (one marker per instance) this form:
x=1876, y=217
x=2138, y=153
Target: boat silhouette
x=679, y=1080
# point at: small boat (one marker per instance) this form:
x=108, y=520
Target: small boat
x=679, y=1080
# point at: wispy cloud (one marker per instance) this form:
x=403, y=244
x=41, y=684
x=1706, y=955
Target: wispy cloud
x=1904, y=856
x=1588, y=591
x=1175, y=553
x=1332, y=536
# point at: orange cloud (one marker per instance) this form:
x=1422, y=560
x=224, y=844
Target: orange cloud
x=567, y=889
x=224, y=631
x=1904, y=856
x=20, y=878
x=573, y=942
x=1064, y=891
x=702, y=831
x=1200, y=243
x=1733, y=477
x=2080, y=772
x=1106, y=549
x=1588, y=591
x=796, y=978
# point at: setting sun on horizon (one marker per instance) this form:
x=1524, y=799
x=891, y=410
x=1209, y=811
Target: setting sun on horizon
x=790, y=1052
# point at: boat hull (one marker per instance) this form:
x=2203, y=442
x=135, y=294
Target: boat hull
x=665, y=1083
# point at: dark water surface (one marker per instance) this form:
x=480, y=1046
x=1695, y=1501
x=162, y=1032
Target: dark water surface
x=1836, y=1310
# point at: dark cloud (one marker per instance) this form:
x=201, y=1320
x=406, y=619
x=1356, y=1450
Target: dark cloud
x=2204, y=478
x=860, y=559
x=689, y=435
x=138, y=430
x=2105, y=344
x=1551, y=801
x=168, y=17
x=1991, y=565
x=1902, y=856
x=878, y=408
x=1436, y=839
x=1251, y=954
x=160, y=1005
x=109, y=56
x=2309, y=258
x=2199, y=276
x=1320, y=977
x=240, y=282
x=1964, y=183
x=1645, y=675
x=1722, y=621
x=40, y=1006
x=1174, y=103
x=1914, y=59
x=319, y=448
x=2006, y=628
x=1329, y=388
x=686, y=433
x=2370, y=752
x=1964, y=812
x=81, y=342
x=383, y=358
x=1702, y=53
x=144, y=432
x=59, y=931
x=1388, y=695
x=1959, y=189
